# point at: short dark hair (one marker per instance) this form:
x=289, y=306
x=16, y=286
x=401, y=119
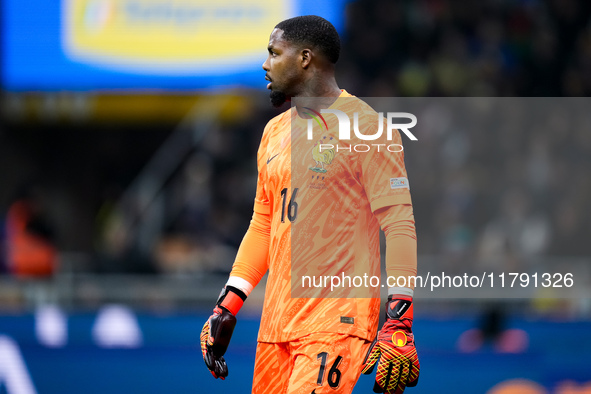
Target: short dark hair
x=314, y=31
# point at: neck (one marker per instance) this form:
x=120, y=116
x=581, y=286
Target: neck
x=321, y=86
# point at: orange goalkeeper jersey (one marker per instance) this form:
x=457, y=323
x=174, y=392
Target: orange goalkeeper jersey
x=321, y=195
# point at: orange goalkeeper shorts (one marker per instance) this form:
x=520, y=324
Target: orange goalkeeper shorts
x=317, y=363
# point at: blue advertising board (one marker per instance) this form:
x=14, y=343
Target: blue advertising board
x=79, y=45
x=118, y=350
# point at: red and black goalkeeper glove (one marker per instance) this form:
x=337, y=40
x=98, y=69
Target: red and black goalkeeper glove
x=218, y=329
x=394, y=350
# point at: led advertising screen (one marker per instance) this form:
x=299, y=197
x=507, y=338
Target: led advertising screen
x=143, y=44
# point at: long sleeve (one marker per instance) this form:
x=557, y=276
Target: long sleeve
x=252, y=259
x=398, y=224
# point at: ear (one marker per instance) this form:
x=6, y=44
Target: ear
x=307, y=55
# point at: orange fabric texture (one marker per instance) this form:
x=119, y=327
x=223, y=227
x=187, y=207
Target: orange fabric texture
x=252, y=259
x=398, y=224
x=320, y=208
x=296, y=367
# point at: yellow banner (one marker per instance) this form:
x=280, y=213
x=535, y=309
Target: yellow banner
x=186, y=36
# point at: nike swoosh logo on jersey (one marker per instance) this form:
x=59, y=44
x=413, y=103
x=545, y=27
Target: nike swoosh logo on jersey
x=269, y=160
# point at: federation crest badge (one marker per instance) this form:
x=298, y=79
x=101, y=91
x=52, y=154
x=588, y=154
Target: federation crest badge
x=322, y=156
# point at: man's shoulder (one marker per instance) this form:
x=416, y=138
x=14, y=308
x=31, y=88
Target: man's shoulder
x=278, y=121
x=351, y=104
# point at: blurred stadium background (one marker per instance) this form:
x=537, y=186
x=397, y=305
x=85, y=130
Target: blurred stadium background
x=127, y=142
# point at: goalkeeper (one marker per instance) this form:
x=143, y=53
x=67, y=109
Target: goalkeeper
x=320, y=344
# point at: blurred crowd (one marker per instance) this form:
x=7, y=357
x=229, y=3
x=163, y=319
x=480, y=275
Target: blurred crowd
x=458, y=48
x=505, y=195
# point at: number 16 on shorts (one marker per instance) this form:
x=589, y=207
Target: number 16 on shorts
x=334, y=375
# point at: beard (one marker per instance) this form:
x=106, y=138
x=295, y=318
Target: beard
x=277, y=98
